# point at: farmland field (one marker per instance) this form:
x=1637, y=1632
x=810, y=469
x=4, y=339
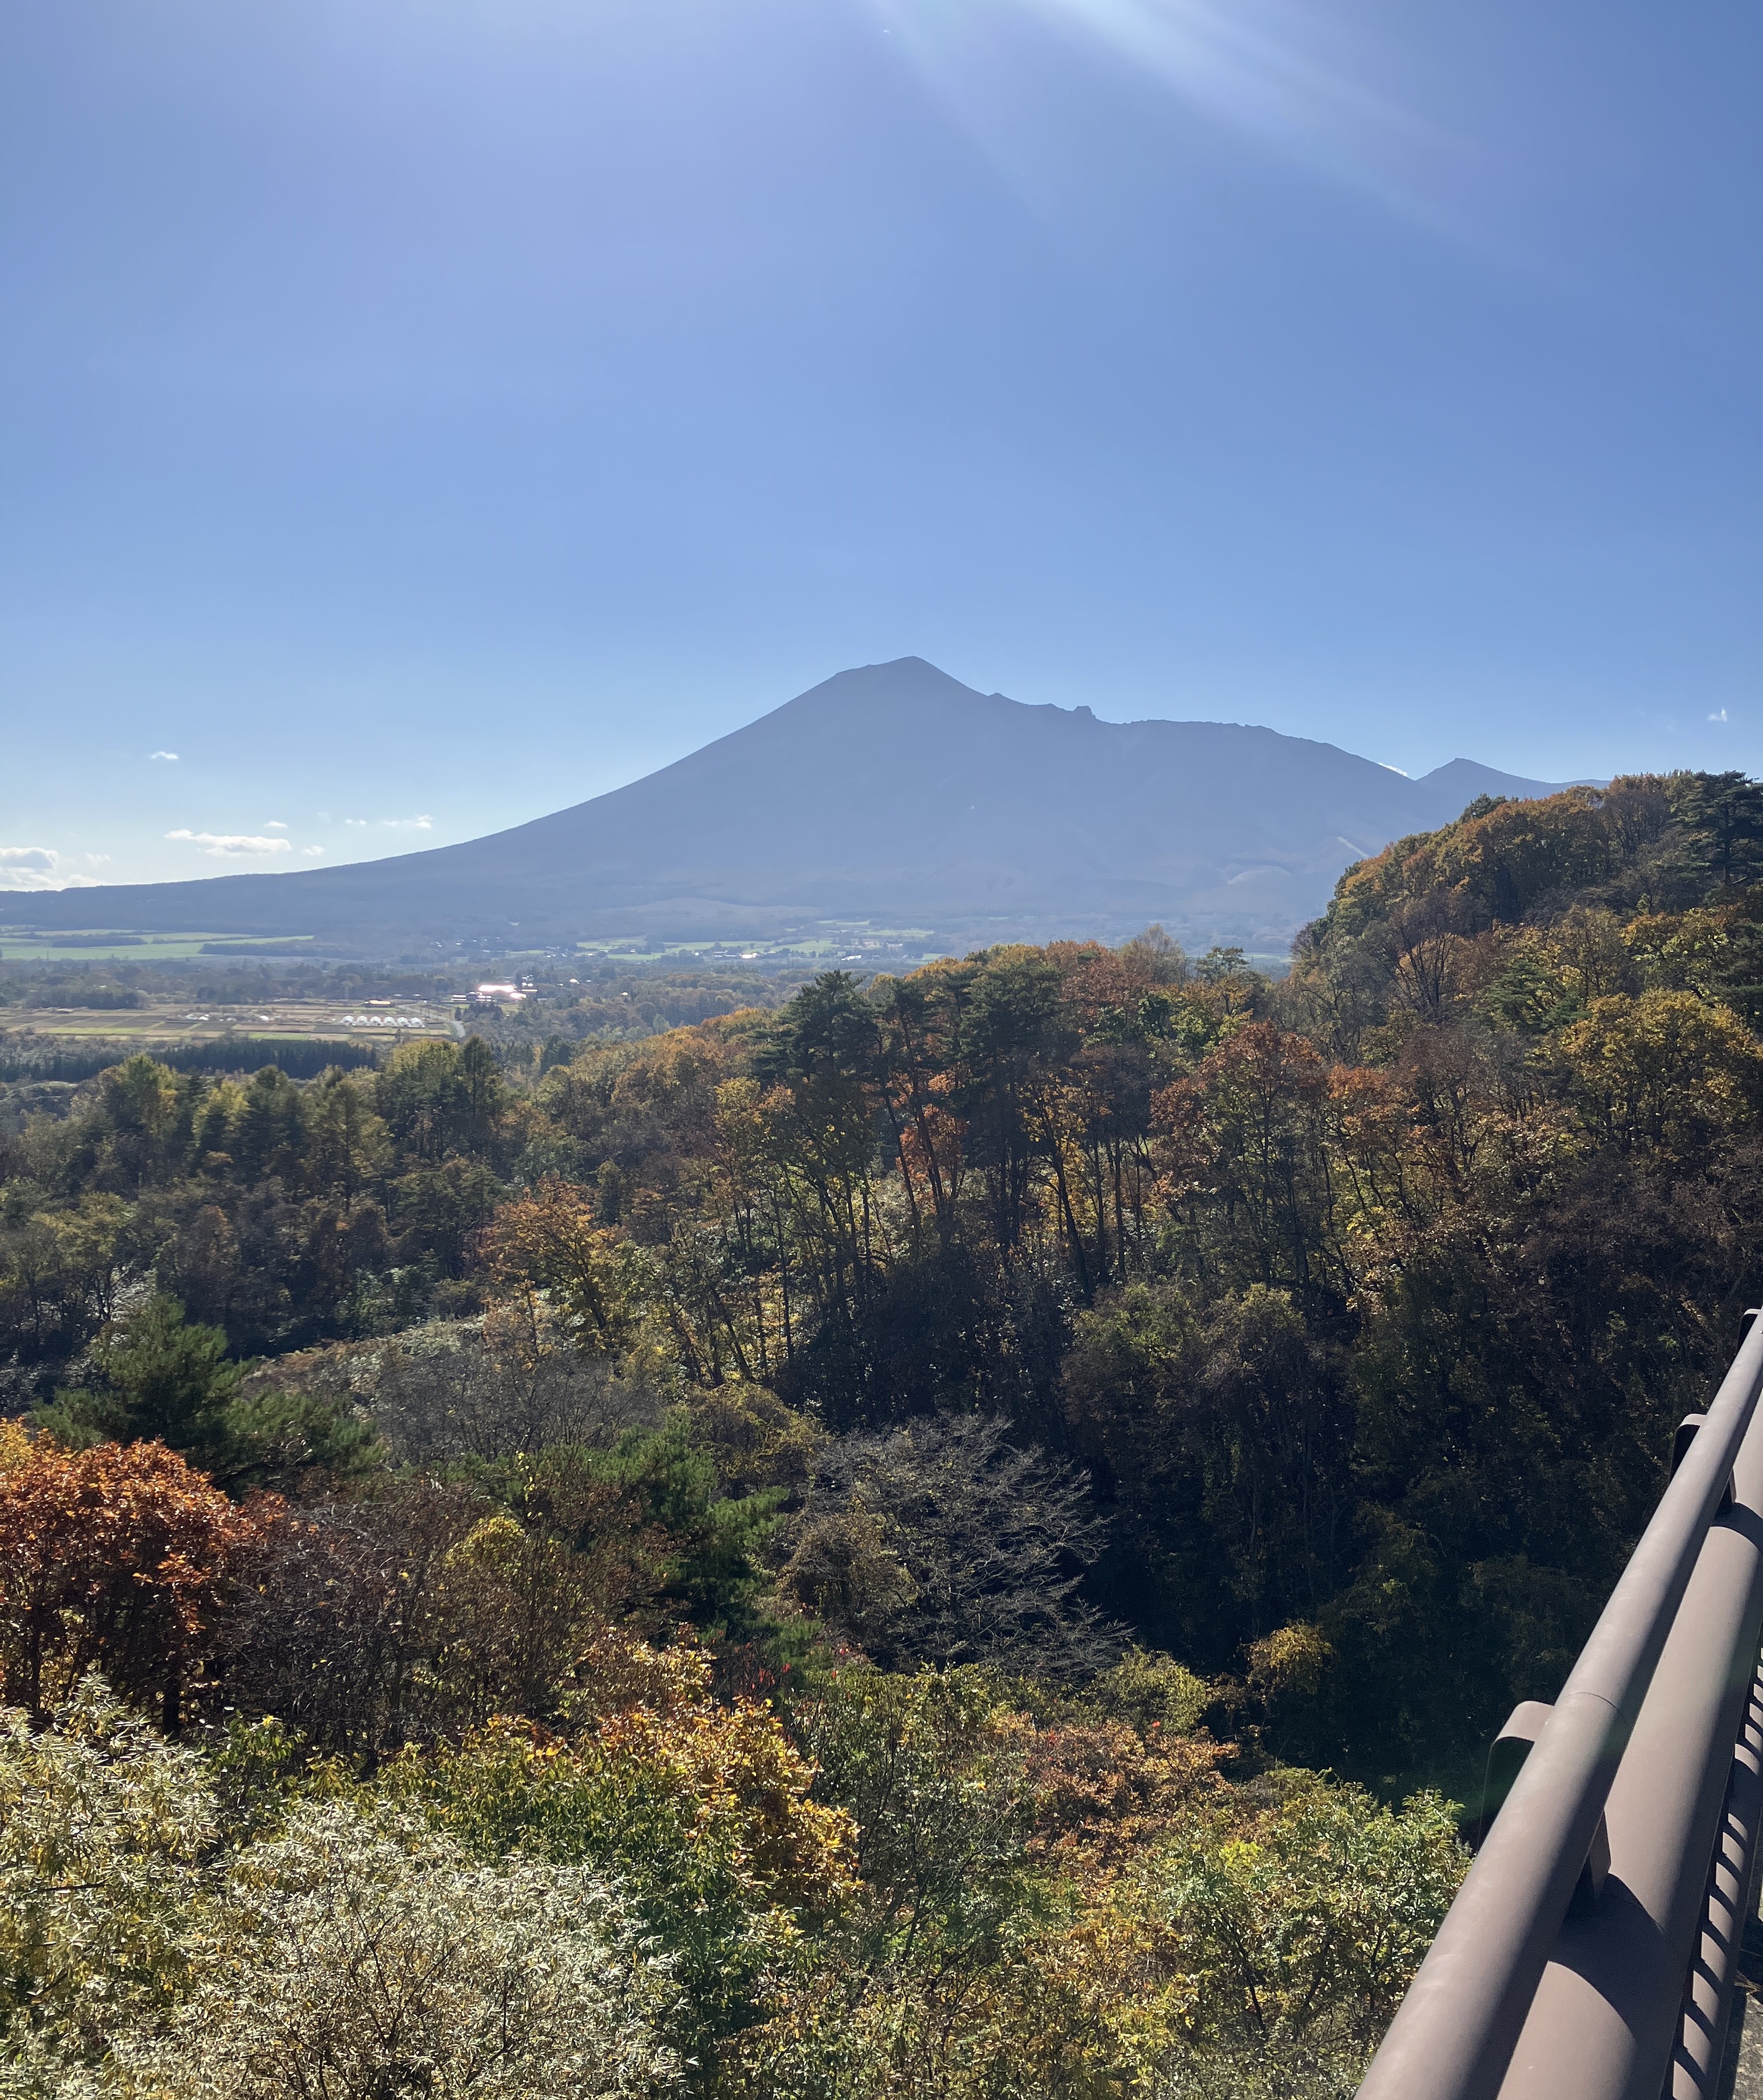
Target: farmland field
x=98, y=945
x=184, y=1022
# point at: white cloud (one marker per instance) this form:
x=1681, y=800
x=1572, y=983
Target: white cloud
x=37, y=867
x=311, y=853
x=232, y=845
x=37, y=860
x=1719, y=715
x=408, y=823
x=97, y=860
x=170, y=756
x=359, y=823
x=275, y=824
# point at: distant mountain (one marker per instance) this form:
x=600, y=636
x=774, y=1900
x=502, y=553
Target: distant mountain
x=1454, y=786
x=893, y=794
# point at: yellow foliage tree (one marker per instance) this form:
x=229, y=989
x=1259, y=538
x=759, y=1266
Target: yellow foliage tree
x=597, y=1284
x=1664, y=1069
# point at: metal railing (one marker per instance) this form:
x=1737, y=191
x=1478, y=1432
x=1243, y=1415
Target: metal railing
x=1590, y=1952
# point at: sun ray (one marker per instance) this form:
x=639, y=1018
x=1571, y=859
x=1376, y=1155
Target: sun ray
x=1300, y=82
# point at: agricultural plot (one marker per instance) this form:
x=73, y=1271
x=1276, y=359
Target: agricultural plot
x=296, y=1020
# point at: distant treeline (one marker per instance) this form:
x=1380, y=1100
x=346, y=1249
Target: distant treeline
x=38, y=1058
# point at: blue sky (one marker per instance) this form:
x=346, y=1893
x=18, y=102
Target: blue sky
x=419, y=416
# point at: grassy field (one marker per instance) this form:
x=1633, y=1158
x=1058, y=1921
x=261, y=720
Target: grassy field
x=843, y=941
x=103, y=945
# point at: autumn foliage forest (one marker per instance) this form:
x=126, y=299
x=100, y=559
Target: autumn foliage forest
x=960, y=1537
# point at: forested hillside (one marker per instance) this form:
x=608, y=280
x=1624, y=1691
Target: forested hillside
x=919, y=1541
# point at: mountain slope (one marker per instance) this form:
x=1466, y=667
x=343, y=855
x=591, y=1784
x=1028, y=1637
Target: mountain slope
x=892, y=793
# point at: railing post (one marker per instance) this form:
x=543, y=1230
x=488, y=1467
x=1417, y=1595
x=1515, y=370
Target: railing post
x=1698, y=2060
x=1606, y=2012
x=1454, y=2034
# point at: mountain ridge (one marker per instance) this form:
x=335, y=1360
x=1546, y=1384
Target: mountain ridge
x=889, y=792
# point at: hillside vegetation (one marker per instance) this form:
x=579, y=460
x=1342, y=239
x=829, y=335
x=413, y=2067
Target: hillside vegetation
x=949, y=1538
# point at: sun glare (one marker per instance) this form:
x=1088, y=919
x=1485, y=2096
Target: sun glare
x=1307, y=84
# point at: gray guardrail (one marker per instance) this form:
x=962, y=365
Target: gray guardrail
x=1591, y=1950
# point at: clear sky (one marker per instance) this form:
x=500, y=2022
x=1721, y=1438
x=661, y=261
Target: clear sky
x=419, y=416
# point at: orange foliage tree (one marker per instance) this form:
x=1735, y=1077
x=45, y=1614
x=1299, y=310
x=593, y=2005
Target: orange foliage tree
x=111, y=1558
